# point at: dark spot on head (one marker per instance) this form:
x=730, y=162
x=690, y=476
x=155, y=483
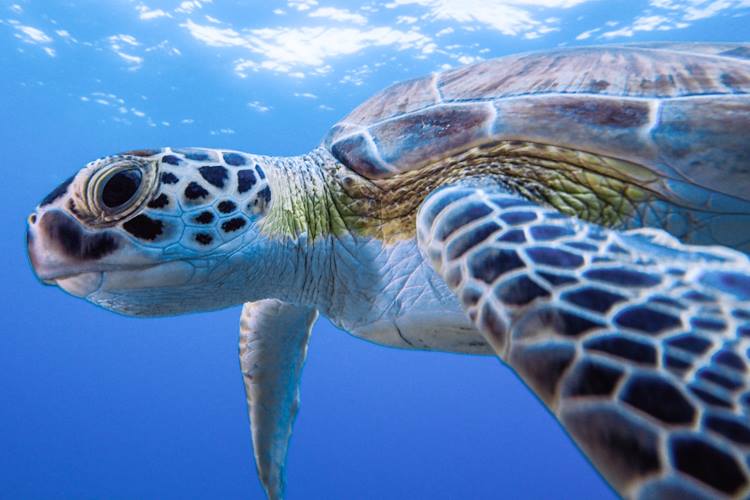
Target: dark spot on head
x=194, y=191
x=245, y=180
x=623, y=347
x=196, y=155
x=234, y=159
x=144, y=227
x=265, y=195
x=171, y=160
x=697, y=457
x=646, y=319
x=233, y=224
x=142, y=152
x=72, y=241
x=169, y=178
x=215, y=175
x=592, y=378
x=260, y=171
x=261, y=201
x=227, y=207
x=160, y=201
x=489, y=263
x=204, y=238
x=58, y=192
x=204, y=218
x=658, y=397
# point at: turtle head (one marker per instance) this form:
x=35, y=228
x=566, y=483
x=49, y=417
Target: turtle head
x=155, y=232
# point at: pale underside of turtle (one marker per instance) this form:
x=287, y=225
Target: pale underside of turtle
x=479, y=210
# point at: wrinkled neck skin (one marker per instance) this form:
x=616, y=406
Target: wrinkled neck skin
x=319, y=246
x=301, y=252
x=337, y=233
x=320, y=255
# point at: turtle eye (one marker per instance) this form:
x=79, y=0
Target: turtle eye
x=121, y=188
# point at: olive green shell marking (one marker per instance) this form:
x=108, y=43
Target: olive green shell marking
x=658, y=106
x=678, y=113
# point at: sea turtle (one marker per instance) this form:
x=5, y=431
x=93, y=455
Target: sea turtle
x=479, y=210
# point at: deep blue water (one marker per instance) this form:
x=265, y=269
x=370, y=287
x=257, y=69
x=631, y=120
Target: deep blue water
x=95, y=405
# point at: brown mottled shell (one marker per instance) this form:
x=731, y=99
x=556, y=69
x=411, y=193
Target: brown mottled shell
x=679, y=110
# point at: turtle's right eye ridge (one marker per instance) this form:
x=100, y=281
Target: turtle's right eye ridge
x=121, y=188
x=113, y=189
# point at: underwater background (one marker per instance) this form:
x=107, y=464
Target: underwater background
x=96, y=405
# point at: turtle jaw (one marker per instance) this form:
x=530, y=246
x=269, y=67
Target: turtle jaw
x=80, y=285
x=81, y=262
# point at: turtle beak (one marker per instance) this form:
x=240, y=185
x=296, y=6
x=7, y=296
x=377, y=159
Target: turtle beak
x=31, y=247
x=58, y=247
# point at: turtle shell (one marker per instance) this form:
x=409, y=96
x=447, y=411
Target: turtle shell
x=681, y=111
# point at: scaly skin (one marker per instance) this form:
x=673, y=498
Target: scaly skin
x=204, y=229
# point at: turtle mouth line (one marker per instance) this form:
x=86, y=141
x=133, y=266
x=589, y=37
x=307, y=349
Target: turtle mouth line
x=81, y=284
x=52, y=277
x=162, y=275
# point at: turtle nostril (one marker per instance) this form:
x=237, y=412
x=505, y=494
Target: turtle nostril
x=32, y=219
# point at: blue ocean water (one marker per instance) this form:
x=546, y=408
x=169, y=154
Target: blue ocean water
x=96, y=405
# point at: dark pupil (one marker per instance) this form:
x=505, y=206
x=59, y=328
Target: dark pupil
x=121, y=187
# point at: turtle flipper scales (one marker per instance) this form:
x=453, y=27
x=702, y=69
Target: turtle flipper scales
x=273, y=346
x=636, y=342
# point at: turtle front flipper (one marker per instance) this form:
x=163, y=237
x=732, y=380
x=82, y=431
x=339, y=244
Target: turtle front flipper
x=273, y=346
x=636, y=342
